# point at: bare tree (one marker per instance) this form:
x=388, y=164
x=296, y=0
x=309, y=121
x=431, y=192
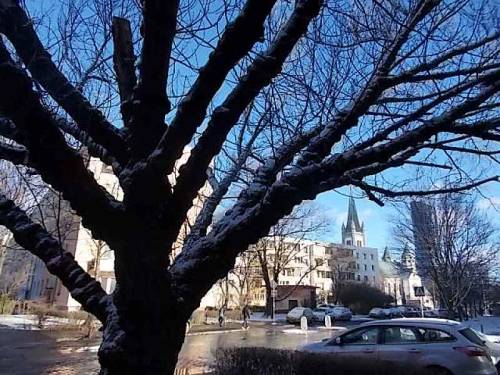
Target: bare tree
x=380, y=85
x=245, y=278
x=282, y=247
x=453, y=245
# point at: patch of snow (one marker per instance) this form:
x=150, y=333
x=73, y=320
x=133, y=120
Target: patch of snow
x=297, y=331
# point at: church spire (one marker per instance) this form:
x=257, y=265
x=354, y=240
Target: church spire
x=352, y=217
x=353, y=230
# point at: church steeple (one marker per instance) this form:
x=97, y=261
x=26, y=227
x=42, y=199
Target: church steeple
x=386, y=257
x=353, y=230
x=352, y=217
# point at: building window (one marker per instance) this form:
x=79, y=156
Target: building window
x=359, y=243
x=359, y=278
x=371, y=256
x=348, y=242
x=357, y=255
x=364, y=255
x=366, y=267
x=366, y=279
x=373, y=267
x=357, y=266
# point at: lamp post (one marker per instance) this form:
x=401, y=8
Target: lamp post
x=273, y=296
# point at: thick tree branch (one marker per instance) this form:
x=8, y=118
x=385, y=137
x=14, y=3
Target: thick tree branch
x=57, y=163
x=94, y=149
x=236, y=41
x=265, y=67
x=16, y=155
x=124, y=64
x=218, y=250
x=150, y=102
x=18, y=28
x=32, y=237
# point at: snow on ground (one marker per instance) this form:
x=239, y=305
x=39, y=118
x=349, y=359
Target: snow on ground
x=489, y=325
x=30, y=322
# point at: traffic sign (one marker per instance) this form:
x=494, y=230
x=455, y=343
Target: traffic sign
x=419, y=291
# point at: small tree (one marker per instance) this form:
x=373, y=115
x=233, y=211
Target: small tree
x=282, y=245
x=361, y=298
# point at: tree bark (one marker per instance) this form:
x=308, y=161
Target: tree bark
x=145, y=330
x=150, y=345
x=269, y=302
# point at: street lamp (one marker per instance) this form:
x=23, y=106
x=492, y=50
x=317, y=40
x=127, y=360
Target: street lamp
x=273, y=296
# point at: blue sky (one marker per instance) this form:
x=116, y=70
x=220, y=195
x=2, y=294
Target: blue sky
x=333, y=206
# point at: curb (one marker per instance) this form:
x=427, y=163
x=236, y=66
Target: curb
x=213, y=332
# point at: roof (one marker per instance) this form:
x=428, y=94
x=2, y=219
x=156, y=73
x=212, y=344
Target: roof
x=421, y=321
x=388, y=269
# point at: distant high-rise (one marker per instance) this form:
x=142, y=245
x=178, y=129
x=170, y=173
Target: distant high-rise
x=353, y=233
x=423, y=233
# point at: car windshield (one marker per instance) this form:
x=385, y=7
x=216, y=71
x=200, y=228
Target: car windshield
x=472, y=336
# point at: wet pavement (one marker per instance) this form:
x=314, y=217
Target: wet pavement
x=66, y=353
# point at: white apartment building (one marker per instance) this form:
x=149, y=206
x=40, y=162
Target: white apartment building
x=309, y=263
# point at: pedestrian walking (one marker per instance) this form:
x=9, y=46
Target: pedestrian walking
x=222, y=312
x=246, y=315
x=206, y=312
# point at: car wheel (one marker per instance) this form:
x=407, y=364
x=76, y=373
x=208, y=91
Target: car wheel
x=437, y=370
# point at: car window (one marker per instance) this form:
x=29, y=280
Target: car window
x=399, y=335
x=435, y=335
x=361, y=336
x=472, y=336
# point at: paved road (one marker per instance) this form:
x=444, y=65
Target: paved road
x=65, y=353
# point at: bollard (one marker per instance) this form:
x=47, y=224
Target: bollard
x=328, y=321
x=303, y=323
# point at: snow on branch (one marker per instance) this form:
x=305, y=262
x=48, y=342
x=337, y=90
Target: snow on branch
x=32, y=237
x=237, y=40
x=260, y=73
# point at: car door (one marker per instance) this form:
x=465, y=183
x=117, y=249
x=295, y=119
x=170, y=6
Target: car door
x=399, y=344
x=362, y=342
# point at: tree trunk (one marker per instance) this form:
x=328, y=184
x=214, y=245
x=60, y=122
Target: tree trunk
x=146, y=323
x=269, y=302
x=150, y=346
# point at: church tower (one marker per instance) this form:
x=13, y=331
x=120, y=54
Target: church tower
x=353, y=233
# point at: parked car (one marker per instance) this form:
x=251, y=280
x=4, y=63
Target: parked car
x=340, y=313
x=411, y=311
x=326, y=306
x=379, y=313
x=295, y=314
x=447, y=347
x=395, y=312
x=320, y=312
x=493, y=344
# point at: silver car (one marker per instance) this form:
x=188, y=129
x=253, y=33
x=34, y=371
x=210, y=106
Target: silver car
x=445, y=346
x=295, y=314
x=340, y=313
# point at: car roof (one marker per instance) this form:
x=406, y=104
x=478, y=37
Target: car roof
x=417, y=321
